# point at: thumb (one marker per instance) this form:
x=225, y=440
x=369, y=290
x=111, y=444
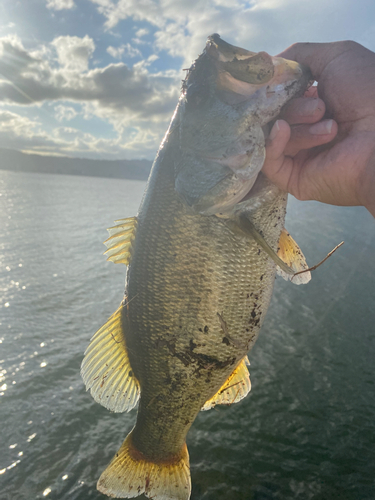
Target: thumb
x=275, y=145
x=277, y=141
x=278, y=167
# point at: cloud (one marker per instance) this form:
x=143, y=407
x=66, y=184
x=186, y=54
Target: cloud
x=180, y=28
x=73, y=52
x=19, y=125
x=65, y=113
x=13, y=57
x=136, y=103
x=137, y=9
x=60, y=4
x=8, y=26
x=123, y=50
x=21, y=133
x=115, y=90
x=141, y=32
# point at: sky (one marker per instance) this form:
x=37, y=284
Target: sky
x=100, y=78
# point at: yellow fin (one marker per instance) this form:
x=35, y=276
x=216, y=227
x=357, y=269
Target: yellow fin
x=119, y=243
x=130, y=474
x=106, y=369
x=236, y=387
x=291, y=254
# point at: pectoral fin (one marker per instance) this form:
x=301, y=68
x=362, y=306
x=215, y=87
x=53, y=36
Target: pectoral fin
x=236, y=387
x=290, y=253
x=248, y=228
x=119, y=243
x=106, y=369
x=289, y=258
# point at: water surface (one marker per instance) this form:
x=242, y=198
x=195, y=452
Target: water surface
x=307, y=429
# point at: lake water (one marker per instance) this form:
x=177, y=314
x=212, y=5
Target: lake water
x=307, y=429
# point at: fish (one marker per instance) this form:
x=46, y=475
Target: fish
x=201, y=255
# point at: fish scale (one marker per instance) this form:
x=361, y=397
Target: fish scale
x=180, y=298
x=202, y=254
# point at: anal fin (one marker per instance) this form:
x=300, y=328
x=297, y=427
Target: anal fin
x=235, y=388
x=106, y=369
x=130, y=474
x=119, y=243
x=290, y=253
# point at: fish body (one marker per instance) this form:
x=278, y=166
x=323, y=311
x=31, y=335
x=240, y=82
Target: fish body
x=198, y=284
x=194, y=314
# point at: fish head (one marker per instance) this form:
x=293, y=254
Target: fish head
x=229, y=97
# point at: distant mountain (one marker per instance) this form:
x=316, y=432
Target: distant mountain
x=120, y=169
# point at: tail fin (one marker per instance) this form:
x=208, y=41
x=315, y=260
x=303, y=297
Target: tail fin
x=130, y=474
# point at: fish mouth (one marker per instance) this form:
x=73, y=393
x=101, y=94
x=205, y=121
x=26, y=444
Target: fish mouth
x=241, y=73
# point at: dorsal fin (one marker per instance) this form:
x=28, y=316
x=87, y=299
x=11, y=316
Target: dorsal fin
x=106, y=369
x=235, y=388
x=119, y=243
x=290, y=253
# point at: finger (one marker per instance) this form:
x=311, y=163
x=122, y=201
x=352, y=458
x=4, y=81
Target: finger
x=277, y=140
x=284, y=170
x=312, y=91
x=303, y=110
x=279, y=170
x=310, y=136
x=316, y=55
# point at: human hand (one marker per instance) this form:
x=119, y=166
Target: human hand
x=339, y=171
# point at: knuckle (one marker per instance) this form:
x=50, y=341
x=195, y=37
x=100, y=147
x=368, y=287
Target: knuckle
x=346, y=45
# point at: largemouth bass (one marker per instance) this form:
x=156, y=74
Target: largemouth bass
x=202, y=255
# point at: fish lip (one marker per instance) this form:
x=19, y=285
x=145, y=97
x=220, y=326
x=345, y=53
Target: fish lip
x=242, y=72
x=223, y=51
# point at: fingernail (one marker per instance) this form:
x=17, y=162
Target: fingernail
x=321, y=128
x=274, y=131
